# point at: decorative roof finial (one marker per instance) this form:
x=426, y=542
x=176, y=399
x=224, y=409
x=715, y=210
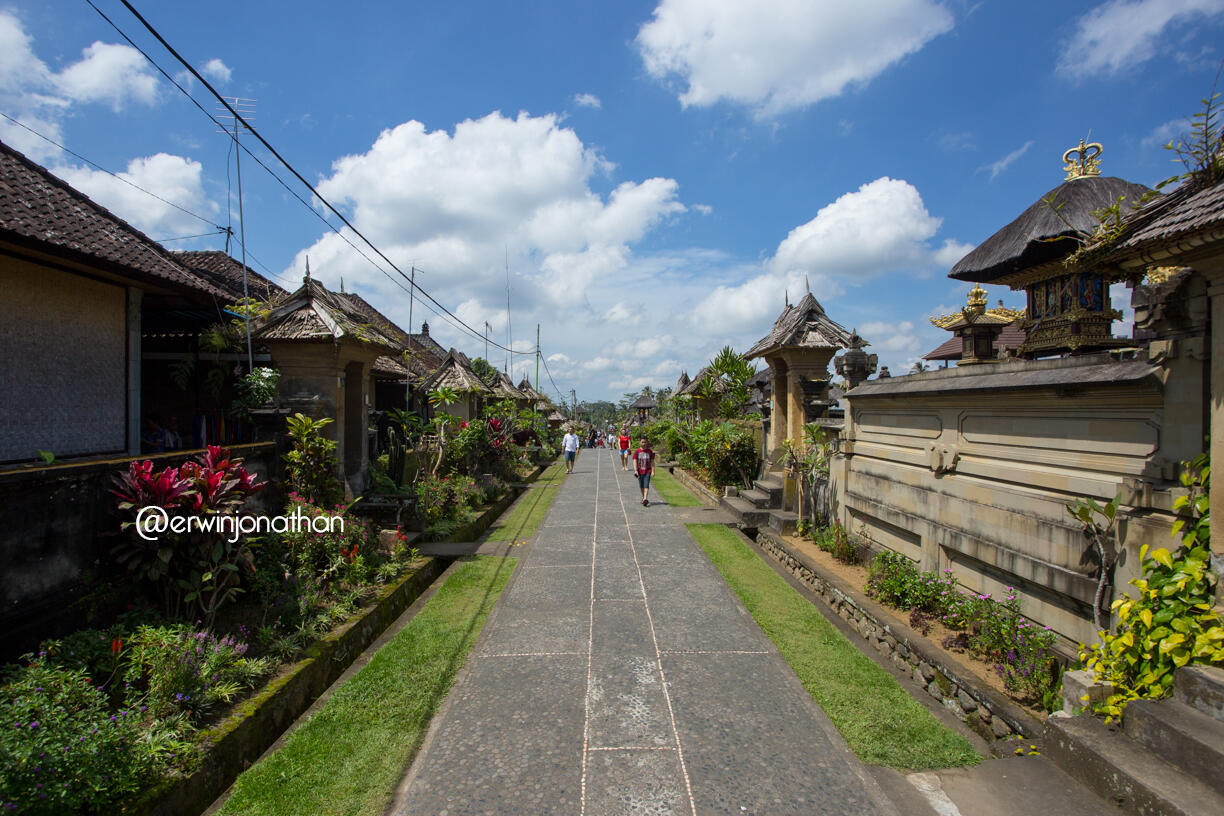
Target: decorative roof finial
x=1088, y=163
x=307, y=278
x=808, y=284
x=786, y=297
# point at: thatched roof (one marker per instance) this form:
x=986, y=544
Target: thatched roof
x=682, y=383
x=804, y=325
x=313, y=314
x=1011, y=337
x=457, y=374
x=644, y=402
x=503, y=388
x=1048, y=230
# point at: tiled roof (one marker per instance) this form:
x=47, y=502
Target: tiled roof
x=804, y=325
x=314, y=313
x=224, y=272
x=1185, y=212
x=1011, y=337
x=37, y=209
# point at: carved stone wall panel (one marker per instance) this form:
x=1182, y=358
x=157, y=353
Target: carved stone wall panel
x=924, y=425
x=1067, y=430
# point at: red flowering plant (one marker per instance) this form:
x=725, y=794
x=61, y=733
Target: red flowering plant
x=194, y=566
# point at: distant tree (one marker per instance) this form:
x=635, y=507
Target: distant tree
x=918, y=366
x=484, y=370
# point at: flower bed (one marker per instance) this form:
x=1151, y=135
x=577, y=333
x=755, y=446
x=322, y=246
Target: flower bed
x=959, y=687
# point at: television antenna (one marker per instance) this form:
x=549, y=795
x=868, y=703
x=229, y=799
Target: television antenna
x=245, y=109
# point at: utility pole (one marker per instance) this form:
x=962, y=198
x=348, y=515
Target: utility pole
x=246, y=109
x=487, y=327
x=537, y=382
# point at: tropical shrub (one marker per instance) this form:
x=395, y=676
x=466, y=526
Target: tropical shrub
x=62, y=749
x=321, y=553
x=197, y=568
x=1169, y=625
x=1172, y=622
x=894, y=580
x=180, y=670
x=310, y=468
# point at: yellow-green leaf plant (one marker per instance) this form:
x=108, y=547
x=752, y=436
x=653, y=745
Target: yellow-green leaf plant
x=1171, y=623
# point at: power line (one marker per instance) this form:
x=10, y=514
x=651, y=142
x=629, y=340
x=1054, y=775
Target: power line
x=128, y=182
x=285, y=163
x=440, y=311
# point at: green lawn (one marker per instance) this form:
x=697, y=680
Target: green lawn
x=523, y=519
x=350, y=756
x=671, y=490
x=882, y=723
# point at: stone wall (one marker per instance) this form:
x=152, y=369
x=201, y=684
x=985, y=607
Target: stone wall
x=64, y=348
x=971, y=469
x=59, y=523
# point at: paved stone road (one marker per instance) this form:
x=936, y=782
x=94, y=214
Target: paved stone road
x=619, y=674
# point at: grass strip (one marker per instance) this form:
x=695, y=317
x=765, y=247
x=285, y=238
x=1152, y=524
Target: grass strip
x=350, y=756
x=674, y=493
x=523, y=519
x=880, y=721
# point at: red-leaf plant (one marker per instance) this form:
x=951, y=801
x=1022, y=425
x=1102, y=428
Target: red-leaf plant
x=197, y=568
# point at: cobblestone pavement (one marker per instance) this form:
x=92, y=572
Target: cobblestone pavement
x=619, y=674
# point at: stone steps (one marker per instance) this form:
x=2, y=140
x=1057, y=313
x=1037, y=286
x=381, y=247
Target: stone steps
x=1167, y=759
x=783, y=521
x=1180, y=735
x=1119, y=769
x=1202, y=688
x=746, y=513
x=761, y=499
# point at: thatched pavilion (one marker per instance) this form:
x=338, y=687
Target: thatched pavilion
x=798, y=349
x=1068, y=308
x=324, y=348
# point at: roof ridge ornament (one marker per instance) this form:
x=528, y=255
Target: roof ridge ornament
x=1088, y=163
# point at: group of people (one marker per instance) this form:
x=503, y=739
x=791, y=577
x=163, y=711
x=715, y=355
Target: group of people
x=643, y=456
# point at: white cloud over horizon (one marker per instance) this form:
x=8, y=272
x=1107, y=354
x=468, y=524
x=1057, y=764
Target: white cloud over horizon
x=778, y=55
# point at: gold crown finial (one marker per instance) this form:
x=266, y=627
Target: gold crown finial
x=1088, y=162
x=977, y=298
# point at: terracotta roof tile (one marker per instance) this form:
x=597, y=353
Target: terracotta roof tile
x=40, y=209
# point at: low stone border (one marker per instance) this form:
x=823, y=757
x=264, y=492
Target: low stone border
x=237, y=741
x=693, y=485
x=986, y=711
x=490, y=513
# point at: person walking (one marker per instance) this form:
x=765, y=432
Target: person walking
x=569, y=444
x=623, y=441
x=643, y=465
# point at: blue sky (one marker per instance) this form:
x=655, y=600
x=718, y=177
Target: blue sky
x=655, y=175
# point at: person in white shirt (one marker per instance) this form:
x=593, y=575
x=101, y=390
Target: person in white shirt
x=570, y=444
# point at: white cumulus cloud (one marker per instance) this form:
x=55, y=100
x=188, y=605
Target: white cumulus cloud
x=217, y=71
x=587, y=100
x=173, y=178
x=1121, y=34
x=40, y=98
x=776, y=55
x=882, y=227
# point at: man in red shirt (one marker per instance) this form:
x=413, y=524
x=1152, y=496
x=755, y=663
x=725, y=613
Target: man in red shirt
x=643, y=465
x=623, y=440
